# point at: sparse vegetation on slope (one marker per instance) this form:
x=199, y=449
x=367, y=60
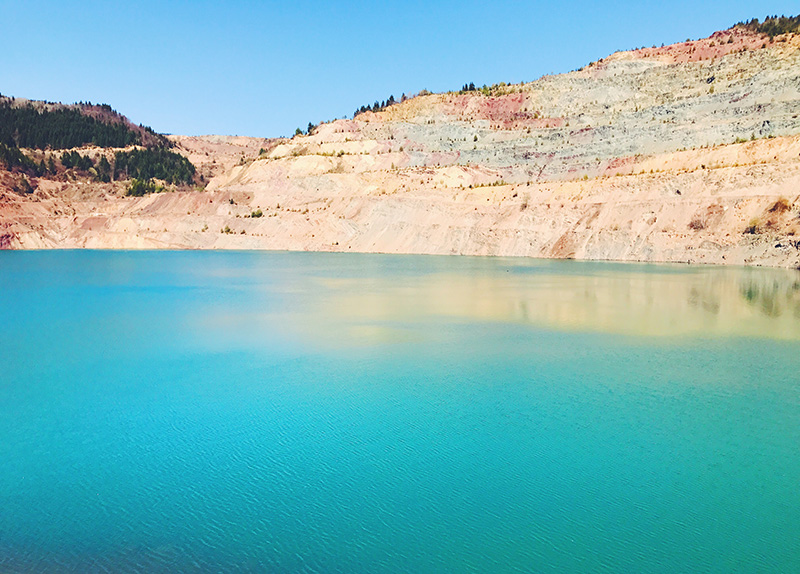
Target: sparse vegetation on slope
x=142, y=164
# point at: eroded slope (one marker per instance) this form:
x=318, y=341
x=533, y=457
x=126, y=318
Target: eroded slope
x=682, y=153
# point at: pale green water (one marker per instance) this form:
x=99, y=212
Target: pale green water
x=201, y=412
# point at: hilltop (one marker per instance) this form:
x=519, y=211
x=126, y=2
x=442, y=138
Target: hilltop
x=46, y=142
x=36, y=124
x=688, y=152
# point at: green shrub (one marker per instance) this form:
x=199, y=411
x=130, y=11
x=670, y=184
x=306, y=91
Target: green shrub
x=754, y=227
x=697, y=224
x=140, y=187
x=23, y=186
x=780, y=206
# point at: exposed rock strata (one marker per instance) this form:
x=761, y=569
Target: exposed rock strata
x=688, y=153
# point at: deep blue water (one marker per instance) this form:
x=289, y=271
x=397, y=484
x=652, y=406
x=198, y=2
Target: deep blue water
x=274, y=412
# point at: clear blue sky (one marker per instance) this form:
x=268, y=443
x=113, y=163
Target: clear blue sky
x=265, y=68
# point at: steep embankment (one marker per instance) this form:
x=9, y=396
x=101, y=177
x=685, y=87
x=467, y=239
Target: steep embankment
x=688, y=152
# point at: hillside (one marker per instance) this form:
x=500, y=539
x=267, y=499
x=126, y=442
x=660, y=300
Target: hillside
x=35, y=124
x=689, y=152
x=84, y=143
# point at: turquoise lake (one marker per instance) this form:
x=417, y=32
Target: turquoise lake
x=278, y=412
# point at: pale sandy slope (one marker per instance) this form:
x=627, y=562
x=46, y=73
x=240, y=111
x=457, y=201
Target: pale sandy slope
x=634, y=217
x=631, y=158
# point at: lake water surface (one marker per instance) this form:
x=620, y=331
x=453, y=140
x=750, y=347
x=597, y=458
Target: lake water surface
x=274, y=412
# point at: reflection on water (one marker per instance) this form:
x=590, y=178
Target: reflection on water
x=623, y=299
x=773, y=294
x=240, y=412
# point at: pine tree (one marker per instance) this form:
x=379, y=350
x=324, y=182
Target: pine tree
x=103, y=170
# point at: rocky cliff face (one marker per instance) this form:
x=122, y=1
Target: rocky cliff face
x=689, y=152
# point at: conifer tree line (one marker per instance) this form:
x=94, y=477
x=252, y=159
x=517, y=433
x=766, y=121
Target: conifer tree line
x=379, y=106
x=774, y=25
x=153, y=163
x=76, y=160
x=63, y=128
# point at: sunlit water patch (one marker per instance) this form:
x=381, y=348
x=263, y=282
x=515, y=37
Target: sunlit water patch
x=277, y=412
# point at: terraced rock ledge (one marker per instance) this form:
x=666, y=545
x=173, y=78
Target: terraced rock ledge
x=685, y=153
